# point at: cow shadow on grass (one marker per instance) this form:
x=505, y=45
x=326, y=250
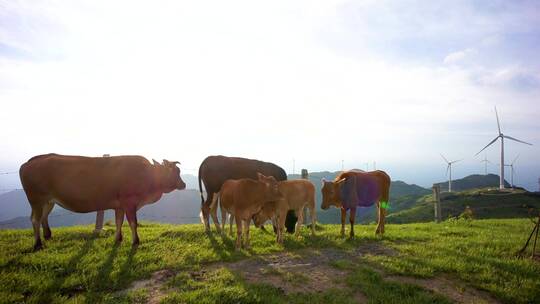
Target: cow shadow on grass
x=185, y=235
x=103, y=283
x=225, y=250
x=61, y=277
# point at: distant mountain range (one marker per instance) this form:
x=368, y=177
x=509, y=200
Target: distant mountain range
x=182, y=207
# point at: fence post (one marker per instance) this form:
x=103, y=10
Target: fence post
x=437, y=202
x=100, y=214
x=304, y=174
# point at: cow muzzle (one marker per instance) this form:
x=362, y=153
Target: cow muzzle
x=181, y=186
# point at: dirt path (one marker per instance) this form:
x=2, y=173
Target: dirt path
x=309, y=271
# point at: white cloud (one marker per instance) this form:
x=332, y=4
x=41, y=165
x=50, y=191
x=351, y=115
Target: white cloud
x=185, y=80
x=459, y=56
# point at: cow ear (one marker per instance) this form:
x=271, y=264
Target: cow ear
x=165, y=162
x=156, y=163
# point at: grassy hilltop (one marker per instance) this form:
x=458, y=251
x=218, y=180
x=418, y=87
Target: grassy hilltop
x=461, y=261
x=484, y=203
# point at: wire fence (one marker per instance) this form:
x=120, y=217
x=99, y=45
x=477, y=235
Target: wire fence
x=27, y=220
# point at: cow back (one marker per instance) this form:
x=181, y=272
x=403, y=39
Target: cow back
x=85, y=184
x=361, y=189
x=215, y=170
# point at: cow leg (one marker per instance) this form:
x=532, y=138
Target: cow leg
x=119, y=219
x=300, y=214
x=352, y=216
x=313, y=219
x=223, y=219
x=213, y=211
x=231, y=220
x=343, y=218
x=205, y=209
x=246, y=230
x=45, y=220
x=37, y=212
x=382, y=217
x=276, y=220
x=238, y=232
x=281, y=224
x=131, y=214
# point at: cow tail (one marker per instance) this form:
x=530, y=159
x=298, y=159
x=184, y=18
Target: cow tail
x=200, y=185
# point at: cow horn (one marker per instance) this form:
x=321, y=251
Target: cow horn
x=340, y=181
x=155, y=162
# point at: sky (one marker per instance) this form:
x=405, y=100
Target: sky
x=312, y=83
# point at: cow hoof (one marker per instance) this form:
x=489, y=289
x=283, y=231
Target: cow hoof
x=47, y=236
x=38, y=246
x=118, y=239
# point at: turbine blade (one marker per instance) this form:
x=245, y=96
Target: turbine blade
x=488, y=145
x=515, y=160
x=515, y=139
x=498, y=124
x=446, y=160
x=455, y=161
x=447, y=169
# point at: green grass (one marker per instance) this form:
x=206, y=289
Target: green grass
x=79, y=267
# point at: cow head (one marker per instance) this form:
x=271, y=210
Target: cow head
x=330, y=193
x=170, y=175
x=267, y=212
x=271, y=188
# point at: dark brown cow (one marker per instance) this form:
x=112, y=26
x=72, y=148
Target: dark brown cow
x=352, y=189
x=215, y=170
x=88, y=184
x=243, y=198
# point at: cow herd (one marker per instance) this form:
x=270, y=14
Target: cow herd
x=245, y=189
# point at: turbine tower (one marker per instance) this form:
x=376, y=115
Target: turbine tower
x=449, y=169
x=512, y=170
x=485, y=161
x=502, y=137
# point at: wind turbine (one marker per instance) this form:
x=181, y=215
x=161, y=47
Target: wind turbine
x=512, y=170
x=485, y=161
x=449, y=169
x=502, y=137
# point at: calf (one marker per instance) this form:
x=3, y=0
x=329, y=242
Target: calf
x=245, y=197
x=297, y=194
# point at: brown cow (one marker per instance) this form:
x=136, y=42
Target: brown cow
x=88, y=184
x=244, y=197
x=297, y=194
x=352, y=189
